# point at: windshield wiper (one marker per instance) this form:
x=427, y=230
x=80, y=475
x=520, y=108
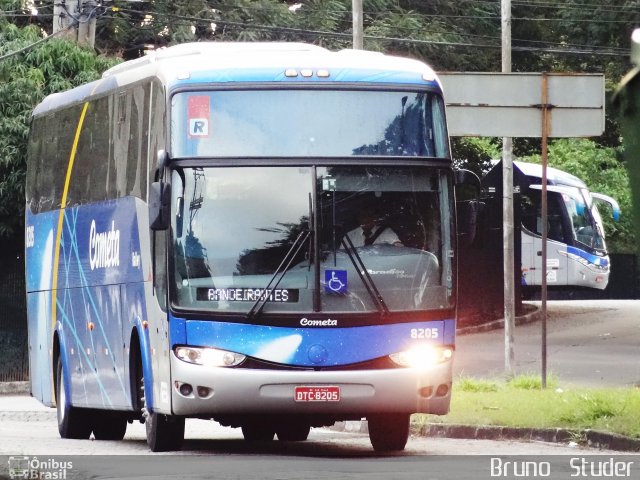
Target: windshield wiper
x=279, y=274
x=368, y=282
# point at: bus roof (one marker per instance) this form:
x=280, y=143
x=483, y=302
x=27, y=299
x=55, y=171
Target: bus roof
x=209, y=63
x=554, y=176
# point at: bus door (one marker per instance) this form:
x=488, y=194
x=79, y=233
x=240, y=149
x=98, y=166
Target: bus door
x=557, y=238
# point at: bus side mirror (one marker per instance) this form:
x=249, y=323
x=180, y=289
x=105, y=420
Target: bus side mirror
x=468, y=206
x=159, y=205
x=467, y=216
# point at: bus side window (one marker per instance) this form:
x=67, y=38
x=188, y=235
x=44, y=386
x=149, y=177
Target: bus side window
x=554, y=221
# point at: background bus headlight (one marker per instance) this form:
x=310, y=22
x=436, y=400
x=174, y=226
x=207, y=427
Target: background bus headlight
x=210, y=357
x=422, y=356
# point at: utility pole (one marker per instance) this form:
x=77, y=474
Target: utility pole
x=63, y=13
x=78, y=16
x=358, y=42
x=507, y=206
x=87, y=26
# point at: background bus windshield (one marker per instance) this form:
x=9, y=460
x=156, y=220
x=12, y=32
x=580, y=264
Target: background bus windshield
x=236, y=228
x=289, y=123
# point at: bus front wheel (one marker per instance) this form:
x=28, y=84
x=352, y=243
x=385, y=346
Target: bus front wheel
x=293, y=432
x=164, y=432
x=389, y=432
x=73, y=422
x=258, y=431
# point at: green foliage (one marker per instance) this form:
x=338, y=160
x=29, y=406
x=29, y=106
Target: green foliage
x=475, y=154
x=468, y=384
x=531, y=382
x=592, y=407
x=603, y=409
x=25, y=79
x=462, y=35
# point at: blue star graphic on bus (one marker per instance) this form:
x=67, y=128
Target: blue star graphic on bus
x=335, y=281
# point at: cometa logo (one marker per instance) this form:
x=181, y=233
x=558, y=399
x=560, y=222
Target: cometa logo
x=104, y=247
x=329, y=322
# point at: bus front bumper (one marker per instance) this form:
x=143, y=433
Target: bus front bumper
x=219, y=391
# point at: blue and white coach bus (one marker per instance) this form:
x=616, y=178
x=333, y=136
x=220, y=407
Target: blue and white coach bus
x=576, y=250
x=190, y=248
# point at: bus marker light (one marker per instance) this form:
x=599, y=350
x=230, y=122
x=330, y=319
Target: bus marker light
x=306, y=72
x=323, y=73
x=442, y=390
x=145, y=325
x=290, y=72
x=90, y=326
x=203, y=392
x=185, y=389
x=426, y=392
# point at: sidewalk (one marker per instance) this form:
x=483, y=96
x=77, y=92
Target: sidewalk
x=21, y=407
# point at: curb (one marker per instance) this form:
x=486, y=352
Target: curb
x=530, y=317
x=590, y=438
x=11, y=388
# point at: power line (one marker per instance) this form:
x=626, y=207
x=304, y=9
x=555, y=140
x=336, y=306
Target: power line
x=321, y=33
x=35, y=44
x=583, y=50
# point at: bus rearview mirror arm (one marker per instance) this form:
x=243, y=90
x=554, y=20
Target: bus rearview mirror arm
x=467, y=210
x=160, y=196
x=159, y=199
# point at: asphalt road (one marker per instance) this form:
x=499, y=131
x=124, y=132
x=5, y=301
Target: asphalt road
x=590, y=343
x=27, y=429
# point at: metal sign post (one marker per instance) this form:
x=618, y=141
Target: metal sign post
x=521, y=105
x=545, y=227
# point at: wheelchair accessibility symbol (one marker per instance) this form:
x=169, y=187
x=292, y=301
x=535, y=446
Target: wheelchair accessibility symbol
x=335, y=281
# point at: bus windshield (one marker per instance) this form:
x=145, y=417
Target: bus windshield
x=308, y=123
x=342, y=239
x=585, y=218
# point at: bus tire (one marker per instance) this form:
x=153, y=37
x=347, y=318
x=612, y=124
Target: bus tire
x=165, y=433
x=258, y=432
x=293, y=432
x=109, y=426
x=389, y=432
x=73, y=422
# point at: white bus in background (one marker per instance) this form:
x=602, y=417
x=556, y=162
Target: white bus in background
x=576, y=250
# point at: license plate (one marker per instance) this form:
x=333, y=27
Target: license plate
x=317, y=394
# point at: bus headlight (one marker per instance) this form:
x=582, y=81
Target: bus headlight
x=210, y=357
x=423, y=356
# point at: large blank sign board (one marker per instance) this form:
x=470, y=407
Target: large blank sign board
x=511, y=104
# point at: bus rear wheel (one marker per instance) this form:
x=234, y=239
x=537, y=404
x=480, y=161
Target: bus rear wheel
x=109, y=426
x=73, y=422
x=389, y=432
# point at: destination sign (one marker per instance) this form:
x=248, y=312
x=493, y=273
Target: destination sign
x=276, y=295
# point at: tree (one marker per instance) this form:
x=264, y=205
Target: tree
x=25, y=79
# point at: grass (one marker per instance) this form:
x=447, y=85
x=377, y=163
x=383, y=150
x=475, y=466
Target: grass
x=520, y=402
